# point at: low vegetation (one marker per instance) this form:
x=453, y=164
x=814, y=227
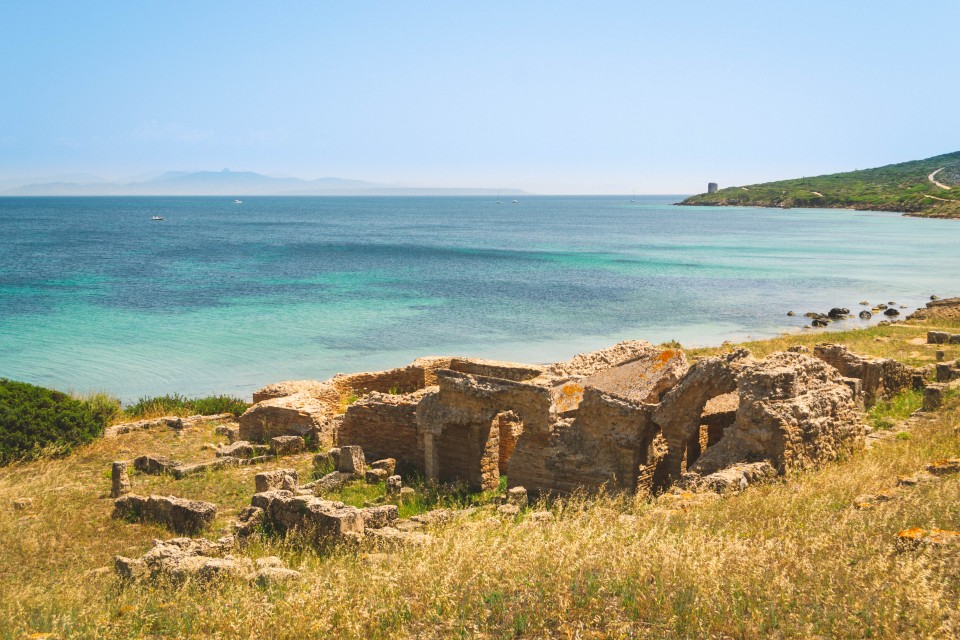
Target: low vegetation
x=788, y=559
x=36, y=421
x=178, y=405
x=896, y=187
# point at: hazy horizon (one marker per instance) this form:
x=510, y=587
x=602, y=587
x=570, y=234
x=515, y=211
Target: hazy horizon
x=548, y=98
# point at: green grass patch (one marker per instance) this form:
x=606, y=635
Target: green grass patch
x=177, y=404
x=887, y=413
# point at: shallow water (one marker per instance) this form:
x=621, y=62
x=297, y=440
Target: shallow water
x=224, y=297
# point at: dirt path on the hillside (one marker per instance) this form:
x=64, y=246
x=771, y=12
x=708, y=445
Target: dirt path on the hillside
x=933, y=180
x=940, y=199
x=817, y=193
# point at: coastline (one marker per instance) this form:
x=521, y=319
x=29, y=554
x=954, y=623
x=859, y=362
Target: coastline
x=922, y=213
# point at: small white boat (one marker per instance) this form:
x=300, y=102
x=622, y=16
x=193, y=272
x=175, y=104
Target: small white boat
x=515, y=202
x=238, y=202
x=156, y=218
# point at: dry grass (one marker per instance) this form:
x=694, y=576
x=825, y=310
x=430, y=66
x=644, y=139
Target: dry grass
x=791, y=559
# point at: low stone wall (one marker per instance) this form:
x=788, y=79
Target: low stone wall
x=881, y=377
x=393, y=381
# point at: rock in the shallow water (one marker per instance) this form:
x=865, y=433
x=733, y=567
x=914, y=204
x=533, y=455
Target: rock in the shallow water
x=791, y=313
x=838, y=312
x=819, y=322
x=865, y=315
x=891, y=312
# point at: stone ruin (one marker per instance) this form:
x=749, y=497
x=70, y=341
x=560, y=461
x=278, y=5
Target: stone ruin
x=631, y=417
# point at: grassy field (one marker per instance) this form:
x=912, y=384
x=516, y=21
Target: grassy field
x=896, y=187
x=790, y=559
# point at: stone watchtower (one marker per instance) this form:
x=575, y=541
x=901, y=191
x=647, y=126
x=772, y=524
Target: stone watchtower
x=712, y=187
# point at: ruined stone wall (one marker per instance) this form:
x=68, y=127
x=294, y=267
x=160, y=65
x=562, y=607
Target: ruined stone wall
x=795, y=412
x=607, y=443
x=881, y=377
x=680, y=412
x=401, y=380
x=509, y=427
x=496, y=369
x=460, y=441
x=321, y=390
x=385, y=426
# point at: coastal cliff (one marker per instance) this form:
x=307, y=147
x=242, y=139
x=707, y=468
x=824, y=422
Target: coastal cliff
x=924, y=188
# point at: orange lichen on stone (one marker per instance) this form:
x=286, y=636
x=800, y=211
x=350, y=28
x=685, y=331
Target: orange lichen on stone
x=664, y=358
x=944, y=467
x=937, y=538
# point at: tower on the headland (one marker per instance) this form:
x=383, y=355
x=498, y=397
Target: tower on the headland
x=712, y=187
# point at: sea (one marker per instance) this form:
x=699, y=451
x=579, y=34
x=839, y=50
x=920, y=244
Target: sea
x=224, y=297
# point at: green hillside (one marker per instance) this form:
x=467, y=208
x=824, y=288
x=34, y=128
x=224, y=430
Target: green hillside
x=903, y=187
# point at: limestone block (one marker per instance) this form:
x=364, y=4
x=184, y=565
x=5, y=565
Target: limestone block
x=394, y=485
x=287, y=445
x=387, y=464
x=517, y=496
x=274, y=480
x=375, y=476
x=379, y=517
x=120, y=479
x=178, y=514
x=297, y=415
x=351, y=460
x=155, y=465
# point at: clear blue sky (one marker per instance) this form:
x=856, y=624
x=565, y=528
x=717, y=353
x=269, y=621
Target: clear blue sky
x=552, y=97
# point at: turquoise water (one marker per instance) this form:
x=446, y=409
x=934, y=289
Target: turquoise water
x=224, y=297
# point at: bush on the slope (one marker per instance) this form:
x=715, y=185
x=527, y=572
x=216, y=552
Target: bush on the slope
x=35, y=420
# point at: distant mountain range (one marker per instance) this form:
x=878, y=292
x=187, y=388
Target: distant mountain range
x=927, y=188
x=228, y=183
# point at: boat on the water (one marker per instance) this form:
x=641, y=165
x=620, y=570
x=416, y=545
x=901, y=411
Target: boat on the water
x=238, y=202
x=156, y=218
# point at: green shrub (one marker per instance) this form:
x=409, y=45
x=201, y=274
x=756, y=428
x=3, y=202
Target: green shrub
x=35, y=420
x=177, y=404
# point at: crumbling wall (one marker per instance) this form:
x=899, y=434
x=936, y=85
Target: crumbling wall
x=881, y=377
x=496, y=369
x=457, y=422
x=385, y=426
x=606, y=443
x=509, y=427
x=679, y=413
x=321, y=390
x=402, y=380
x=795, y=412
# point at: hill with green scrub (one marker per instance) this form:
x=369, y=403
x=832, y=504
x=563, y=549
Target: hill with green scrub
x=926, y=188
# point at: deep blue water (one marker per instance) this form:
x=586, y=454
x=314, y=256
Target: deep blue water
x=224, y=297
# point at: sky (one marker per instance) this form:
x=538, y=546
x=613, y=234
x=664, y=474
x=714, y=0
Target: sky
x=549, y=97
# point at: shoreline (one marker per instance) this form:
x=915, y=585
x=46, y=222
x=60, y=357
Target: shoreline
x=585, y=344
x=845, y=207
